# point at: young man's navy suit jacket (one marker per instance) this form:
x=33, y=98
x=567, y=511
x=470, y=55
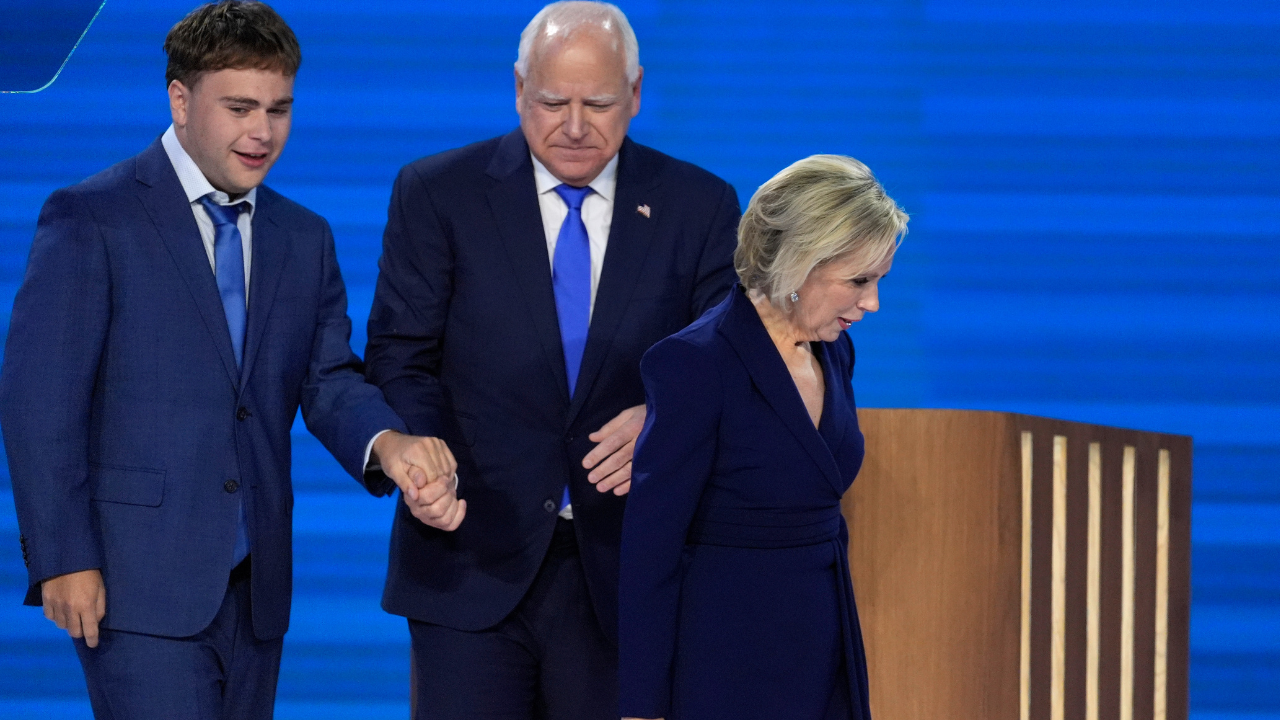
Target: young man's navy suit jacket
x=132, y=436
x=465, y=343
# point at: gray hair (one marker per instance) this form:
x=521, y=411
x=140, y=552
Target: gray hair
x=820, y=209
x=563, y=19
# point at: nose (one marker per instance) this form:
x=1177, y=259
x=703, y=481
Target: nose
x=870, y=300
x=575, y=125
x=260, y=127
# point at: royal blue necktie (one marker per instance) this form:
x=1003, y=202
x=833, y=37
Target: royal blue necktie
x=571, y=281
x=228, y=263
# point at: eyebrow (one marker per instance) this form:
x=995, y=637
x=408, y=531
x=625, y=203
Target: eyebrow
x=544, y=96
x=253, y=103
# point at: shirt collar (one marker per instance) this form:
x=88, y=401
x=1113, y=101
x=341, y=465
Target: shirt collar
x=604, y=184
x=194, y=183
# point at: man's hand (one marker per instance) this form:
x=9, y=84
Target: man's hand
x=424, y=470
x=617, y=443
x=76, y=602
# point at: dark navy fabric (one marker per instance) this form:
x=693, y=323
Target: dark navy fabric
x=464, y=341
x=735, y=595
x=131, y=432
x=224, y=672
x=548, y=659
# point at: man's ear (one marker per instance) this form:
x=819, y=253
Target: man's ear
x=635, y=93
x=519, y=89
x=179, y=102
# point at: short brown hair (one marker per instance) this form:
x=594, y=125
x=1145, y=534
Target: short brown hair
x=231, y=34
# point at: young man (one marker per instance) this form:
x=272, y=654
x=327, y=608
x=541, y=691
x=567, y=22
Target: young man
x=174, y=316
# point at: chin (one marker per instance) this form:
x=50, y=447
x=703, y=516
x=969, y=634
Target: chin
x=578, y=170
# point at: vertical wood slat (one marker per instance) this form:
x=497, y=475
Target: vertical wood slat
x=1160, y=699
x=1024, y=684
x=1094, y=590
x=1058, y=647
x=1128, y=544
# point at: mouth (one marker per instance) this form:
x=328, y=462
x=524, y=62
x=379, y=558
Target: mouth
x=845, y=324
x=252, y=160
x=578, y=150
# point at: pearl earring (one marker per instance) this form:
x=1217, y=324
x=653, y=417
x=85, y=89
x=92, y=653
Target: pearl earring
x=795, y=296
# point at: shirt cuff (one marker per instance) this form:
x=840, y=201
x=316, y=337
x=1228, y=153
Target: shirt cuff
x=369, y=464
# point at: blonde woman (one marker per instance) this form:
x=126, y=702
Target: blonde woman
x=735, y=594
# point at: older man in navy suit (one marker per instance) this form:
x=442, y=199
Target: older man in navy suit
x=174, y=316
x=521, y=280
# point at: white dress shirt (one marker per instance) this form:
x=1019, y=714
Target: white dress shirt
x=597, y=215
x=196, y=186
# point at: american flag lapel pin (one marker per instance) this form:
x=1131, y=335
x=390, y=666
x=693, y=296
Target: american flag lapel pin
x=643, y=210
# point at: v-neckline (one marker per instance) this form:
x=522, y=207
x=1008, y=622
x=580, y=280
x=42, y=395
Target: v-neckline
x=824, y=417
x=743, y=327
x=815, y=352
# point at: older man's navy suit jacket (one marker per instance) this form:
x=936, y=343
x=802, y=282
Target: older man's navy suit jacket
x=464, y=341
x=131, y=434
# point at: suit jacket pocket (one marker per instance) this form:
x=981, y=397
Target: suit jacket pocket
x=131, y=486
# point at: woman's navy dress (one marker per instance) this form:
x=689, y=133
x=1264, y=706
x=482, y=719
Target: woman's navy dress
x=735, y=596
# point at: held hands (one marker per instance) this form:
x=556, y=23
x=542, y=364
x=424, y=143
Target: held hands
x=617, y=444
x=423, y=469
x=76, y=602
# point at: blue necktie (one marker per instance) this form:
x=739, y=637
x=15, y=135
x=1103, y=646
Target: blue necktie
x=571, y=281
x=228, y=263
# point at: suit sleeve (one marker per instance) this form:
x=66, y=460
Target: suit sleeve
x=342, y=410
x=410, y=305
x=57, y=333
x=716, y=275
x=673, y=460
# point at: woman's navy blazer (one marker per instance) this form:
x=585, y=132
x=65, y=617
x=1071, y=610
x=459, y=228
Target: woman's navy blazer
x=735, y=592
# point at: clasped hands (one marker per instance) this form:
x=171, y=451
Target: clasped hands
x=426, y=473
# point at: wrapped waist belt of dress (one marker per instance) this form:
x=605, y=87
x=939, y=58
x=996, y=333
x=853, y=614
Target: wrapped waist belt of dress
x=764, y=529
x=780, y=529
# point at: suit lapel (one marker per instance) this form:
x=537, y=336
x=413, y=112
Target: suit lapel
x=514, y=204
x=742, y=327
x=270, y=252
x=166, y=203
x=630, y=235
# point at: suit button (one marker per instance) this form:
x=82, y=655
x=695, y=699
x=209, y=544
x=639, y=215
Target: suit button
x=231, y=486
x=243, y=414
x=550, y=506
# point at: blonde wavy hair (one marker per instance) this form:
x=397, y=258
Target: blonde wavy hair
x=816, y=210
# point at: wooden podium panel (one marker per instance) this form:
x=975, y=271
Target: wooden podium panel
x=1009, y=566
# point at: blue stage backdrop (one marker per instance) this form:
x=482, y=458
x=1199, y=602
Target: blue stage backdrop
x=1095, y=194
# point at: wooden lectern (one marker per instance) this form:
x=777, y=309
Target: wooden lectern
x=1014, y=567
